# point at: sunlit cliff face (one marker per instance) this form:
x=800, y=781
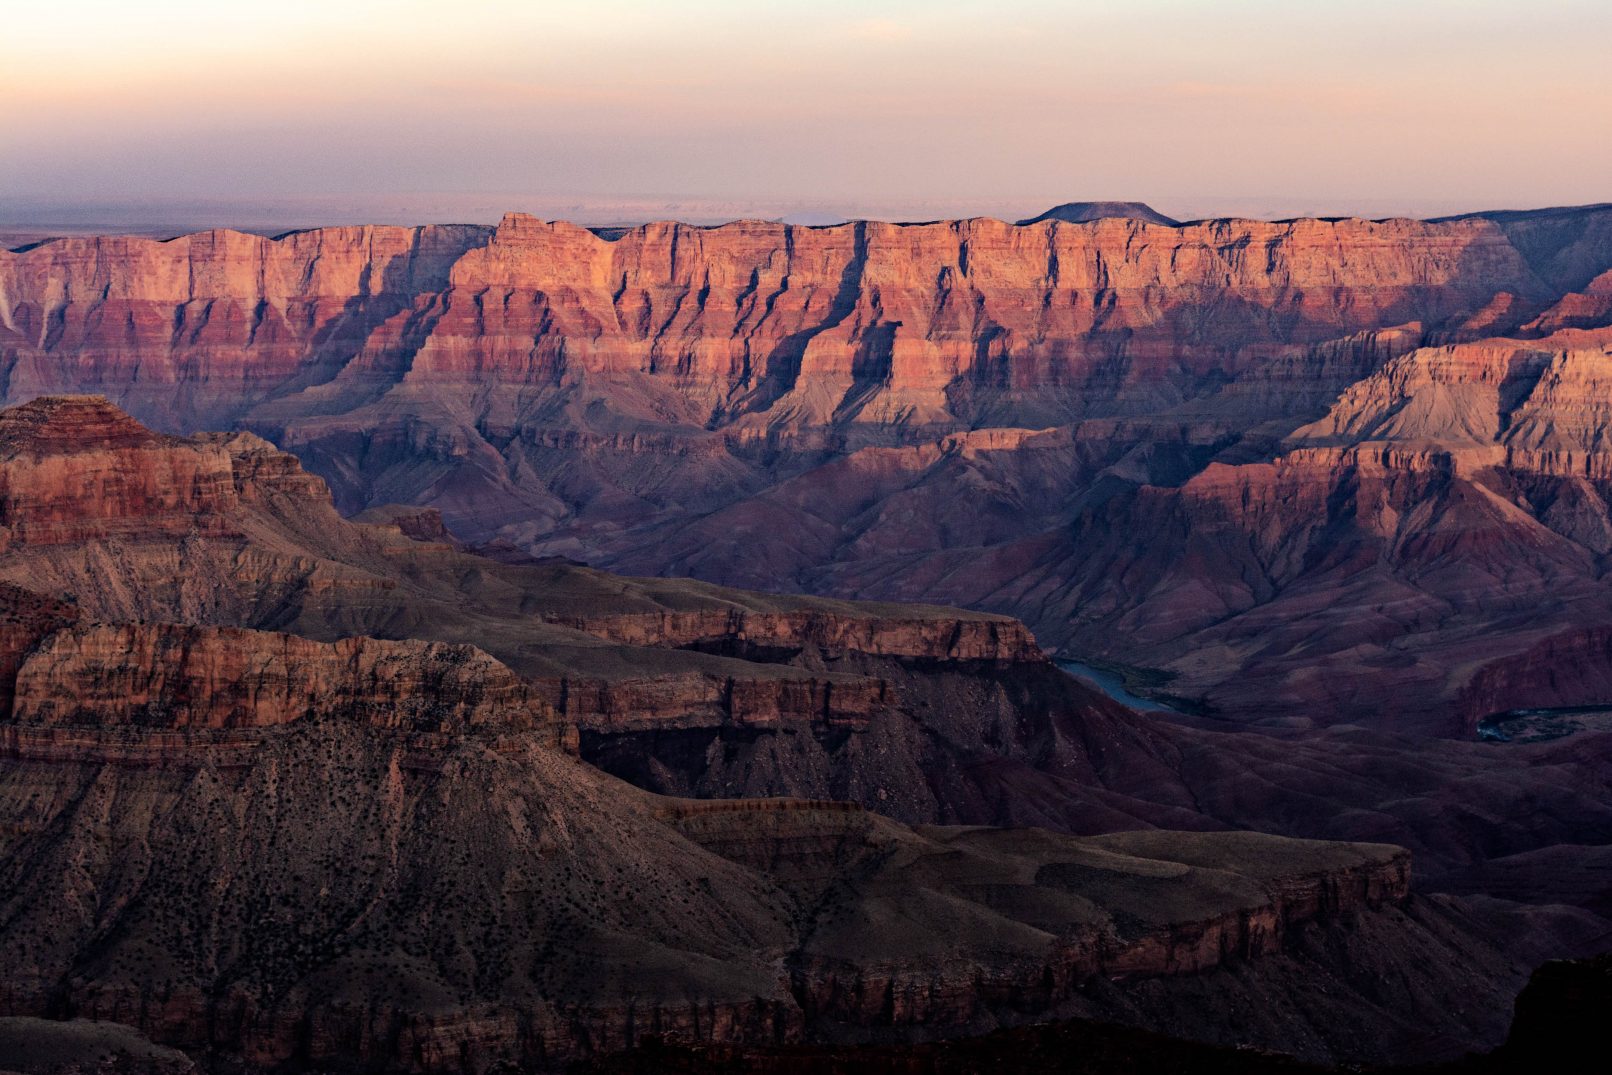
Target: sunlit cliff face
x=1001, y=106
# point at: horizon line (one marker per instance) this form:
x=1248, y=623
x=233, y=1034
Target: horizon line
x=37, y=232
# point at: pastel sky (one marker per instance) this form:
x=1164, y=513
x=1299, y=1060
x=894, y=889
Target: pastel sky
x=884, y=108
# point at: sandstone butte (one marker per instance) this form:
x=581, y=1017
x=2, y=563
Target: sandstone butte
x=281, y=788
x=1297, y=472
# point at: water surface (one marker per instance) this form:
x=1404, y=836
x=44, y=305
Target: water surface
x=1111, y=684
x=1536, y=725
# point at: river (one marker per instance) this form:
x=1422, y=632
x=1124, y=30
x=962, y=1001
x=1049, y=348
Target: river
x=1113, y=685
x=1537, y=725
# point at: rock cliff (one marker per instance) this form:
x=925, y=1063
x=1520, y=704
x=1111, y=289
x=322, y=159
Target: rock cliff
x=960, y=411
x=178, y=676
x=750, y=326
x=486, y=901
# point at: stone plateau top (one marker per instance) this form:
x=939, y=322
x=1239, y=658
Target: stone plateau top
x=1085, y=212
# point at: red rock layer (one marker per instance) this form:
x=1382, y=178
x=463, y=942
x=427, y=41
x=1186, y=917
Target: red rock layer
x=74, y=469
x=906, y=633
x=179, y=677
x=868, y=321
x=863, y=409
x=25, y=618
x=193, y=327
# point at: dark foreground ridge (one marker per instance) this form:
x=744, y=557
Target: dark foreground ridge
x=1557, y=1029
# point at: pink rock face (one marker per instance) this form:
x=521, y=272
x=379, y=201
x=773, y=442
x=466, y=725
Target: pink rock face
x=864, y=322
x=194, y=326
x=878, y=322
x=1156, y=444
x=77, y=467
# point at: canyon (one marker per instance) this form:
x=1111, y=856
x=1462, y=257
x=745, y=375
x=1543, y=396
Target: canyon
x=437, y=648
x=1246, y=462
x=205, y=666
x=285, y=788
x=289, y=788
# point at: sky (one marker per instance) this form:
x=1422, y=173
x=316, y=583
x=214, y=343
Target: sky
x=625, y=109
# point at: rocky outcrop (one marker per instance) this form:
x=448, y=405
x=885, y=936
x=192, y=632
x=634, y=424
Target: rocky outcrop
x=196, y=326
x=181, y=677
x=1556, y=1029
x=421, y=524
x=76, y=468
x=909, y=632
x=25, y=618
x=678, y=701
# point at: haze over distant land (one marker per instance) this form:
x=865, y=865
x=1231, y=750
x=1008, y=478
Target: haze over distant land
x=26, y=221
x=177, y=114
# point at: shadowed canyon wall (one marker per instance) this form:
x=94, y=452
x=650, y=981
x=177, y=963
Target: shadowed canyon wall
x=286, y=791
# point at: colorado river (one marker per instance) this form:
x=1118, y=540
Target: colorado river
x=1113, y=686
x=1534, y=725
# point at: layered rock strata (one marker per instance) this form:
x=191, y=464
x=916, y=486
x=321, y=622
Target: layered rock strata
x=964, y=411
x=221, y=909
x=293, y=789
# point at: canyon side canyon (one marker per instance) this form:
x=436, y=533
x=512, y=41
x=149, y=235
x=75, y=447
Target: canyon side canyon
x=437, y=649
